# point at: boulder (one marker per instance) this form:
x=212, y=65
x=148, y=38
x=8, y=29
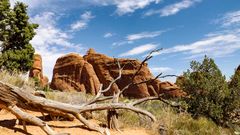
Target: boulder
x=72, y=73
x=37, y=71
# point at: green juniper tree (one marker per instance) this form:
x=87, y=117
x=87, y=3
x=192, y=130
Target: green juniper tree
x=16, y=50
x=5, y=16
x=232, y=102
x=207, y=90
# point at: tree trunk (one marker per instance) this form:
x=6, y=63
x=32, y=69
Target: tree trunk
x=112, y=119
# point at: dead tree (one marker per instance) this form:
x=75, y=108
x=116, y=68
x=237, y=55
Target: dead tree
x=112, y=116
x=16, y=100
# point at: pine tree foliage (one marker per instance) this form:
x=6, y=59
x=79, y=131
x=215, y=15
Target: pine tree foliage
x=207, y=89
x=5, y=16
x=233, y=101
x=17, y=32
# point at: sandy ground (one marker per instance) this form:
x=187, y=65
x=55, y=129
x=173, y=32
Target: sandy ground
x=8, y=127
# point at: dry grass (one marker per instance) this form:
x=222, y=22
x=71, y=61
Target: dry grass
x=19, y=80
x=69, y=97
x=169, y=122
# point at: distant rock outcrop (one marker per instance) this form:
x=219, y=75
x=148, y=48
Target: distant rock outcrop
x=73, y=72
x=171, y=89
x=37, y=70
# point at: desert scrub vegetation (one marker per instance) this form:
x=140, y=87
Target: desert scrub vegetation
x=171, y=122
x=17, y=79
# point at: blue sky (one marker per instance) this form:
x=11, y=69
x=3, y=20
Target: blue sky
x=185, y=29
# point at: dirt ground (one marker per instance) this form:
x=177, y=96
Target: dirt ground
x=8, y=127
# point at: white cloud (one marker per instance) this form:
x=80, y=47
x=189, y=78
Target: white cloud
x=172, y=9
x=120, y=43
x=51, y=41
x=83, y=22
x=230, y=19
x=161, y=69
x=107, y=35
x=139, y=50
x=129, y=6
x=79, y=25
x=143, y=35
x=216, y=45
x=122, y=6
x=131, y=38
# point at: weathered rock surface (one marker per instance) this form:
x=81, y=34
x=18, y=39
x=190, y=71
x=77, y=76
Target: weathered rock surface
x=37, y=70
x=73, y=72
x=107, y=69
x=171, y=89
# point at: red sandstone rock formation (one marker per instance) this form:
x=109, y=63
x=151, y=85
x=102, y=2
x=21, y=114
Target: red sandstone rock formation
x=107, y=69
x=37, y=70
x=72, y=72
x=171, y=90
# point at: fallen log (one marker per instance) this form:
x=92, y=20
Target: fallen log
x=16, y=100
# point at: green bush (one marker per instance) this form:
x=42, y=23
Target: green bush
x=207, y=89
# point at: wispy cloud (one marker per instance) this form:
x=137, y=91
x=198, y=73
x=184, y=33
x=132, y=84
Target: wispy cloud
x=139, y=50
x=108, y=35
x=123, y=7
x=50, y=41
x=83, y=22
x=131, y=38
x=120, y=43
x=143, y=35
x=160, y=69
x=172, y=9
x=230, y=19
x=216, y=45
